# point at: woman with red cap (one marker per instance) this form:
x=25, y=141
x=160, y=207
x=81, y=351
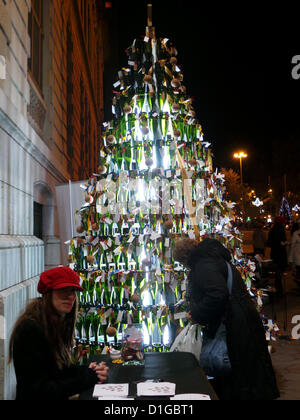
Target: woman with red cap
x=42, y=339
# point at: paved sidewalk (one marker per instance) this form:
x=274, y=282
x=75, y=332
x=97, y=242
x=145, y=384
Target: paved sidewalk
x=286, y=355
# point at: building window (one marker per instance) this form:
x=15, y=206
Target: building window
x=35, y=29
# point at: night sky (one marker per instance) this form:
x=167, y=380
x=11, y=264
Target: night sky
x=237, y=64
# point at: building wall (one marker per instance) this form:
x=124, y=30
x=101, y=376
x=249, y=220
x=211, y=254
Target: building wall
x=48, y=136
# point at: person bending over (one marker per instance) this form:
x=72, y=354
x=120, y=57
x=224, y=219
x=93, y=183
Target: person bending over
x=252, y=376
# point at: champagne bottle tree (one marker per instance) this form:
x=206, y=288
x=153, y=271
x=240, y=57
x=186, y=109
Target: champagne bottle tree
x=155, y=184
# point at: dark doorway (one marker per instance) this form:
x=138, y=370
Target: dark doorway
x=38, y=220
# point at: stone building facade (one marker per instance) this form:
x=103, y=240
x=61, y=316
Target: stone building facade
x=51, y=110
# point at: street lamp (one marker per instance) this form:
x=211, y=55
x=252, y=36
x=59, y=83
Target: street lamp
x=241, y=156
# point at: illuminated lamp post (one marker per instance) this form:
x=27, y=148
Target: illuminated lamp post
x=241, y=156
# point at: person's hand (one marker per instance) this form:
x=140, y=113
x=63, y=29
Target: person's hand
x=189, y=316
x=101, y=371
x=93, y=365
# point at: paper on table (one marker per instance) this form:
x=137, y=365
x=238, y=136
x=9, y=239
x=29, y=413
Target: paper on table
x=111, y=390
x=190, y=397
x=115, y=399
x=155, y=389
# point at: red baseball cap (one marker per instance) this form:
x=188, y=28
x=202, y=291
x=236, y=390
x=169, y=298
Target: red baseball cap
x=58, y=278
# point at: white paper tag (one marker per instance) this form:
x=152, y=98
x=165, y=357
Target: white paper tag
x=104, y=246
x=180, y=315
x=120, y=316
x=117, y=251
x=95, y=241
x=108, y=313
x=131, y=238
x=191, y=235
x=160, y=311
x=155, y=236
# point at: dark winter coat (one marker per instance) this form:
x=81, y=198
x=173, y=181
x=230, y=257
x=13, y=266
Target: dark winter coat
x=38, y=376
x=252, y=375
x=276, y=237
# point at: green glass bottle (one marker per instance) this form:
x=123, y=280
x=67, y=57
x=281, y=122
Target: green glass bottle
x=128, y=156
x=107, y=291
x=164, y=125
x=104, y=262
x=122, y=130
x=86, y=327
x=91, y=290
x=123, y=261
x=172, y=153
x=142, y=162
x=147, y=105
x=98, y=289
x=84, y=293
x=131, y=125
x=95, y=324
x=79, y=324
x=140, y=102
x=119, y=156
x=135, y=259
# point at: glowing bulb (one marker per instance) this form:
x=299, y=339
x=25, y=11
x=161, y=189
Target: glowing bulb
x=166, y=107
x=167, y=162
x=162, y=300
x=147, y=298
x=166, y=336
x=146, y=335
x=141, y=190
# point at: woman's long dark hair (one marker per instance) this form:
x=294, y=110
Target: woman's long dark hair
x=59, y=330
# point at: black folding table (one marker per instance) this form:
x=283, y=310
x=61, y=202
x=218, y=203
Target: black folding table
x=180, y=368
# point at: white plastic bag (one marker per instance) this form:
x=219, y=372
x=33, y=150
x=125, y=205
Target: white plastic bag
x=189, y=340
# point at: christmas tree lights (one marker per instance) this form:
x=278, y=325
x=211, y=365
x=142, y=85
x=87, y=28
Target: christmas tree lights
x=155, y=184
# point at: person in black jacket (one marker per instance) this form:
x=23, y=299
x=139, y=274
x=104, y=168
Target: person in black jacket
x=42, y=339
x=252, y=376
x=277, y=242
